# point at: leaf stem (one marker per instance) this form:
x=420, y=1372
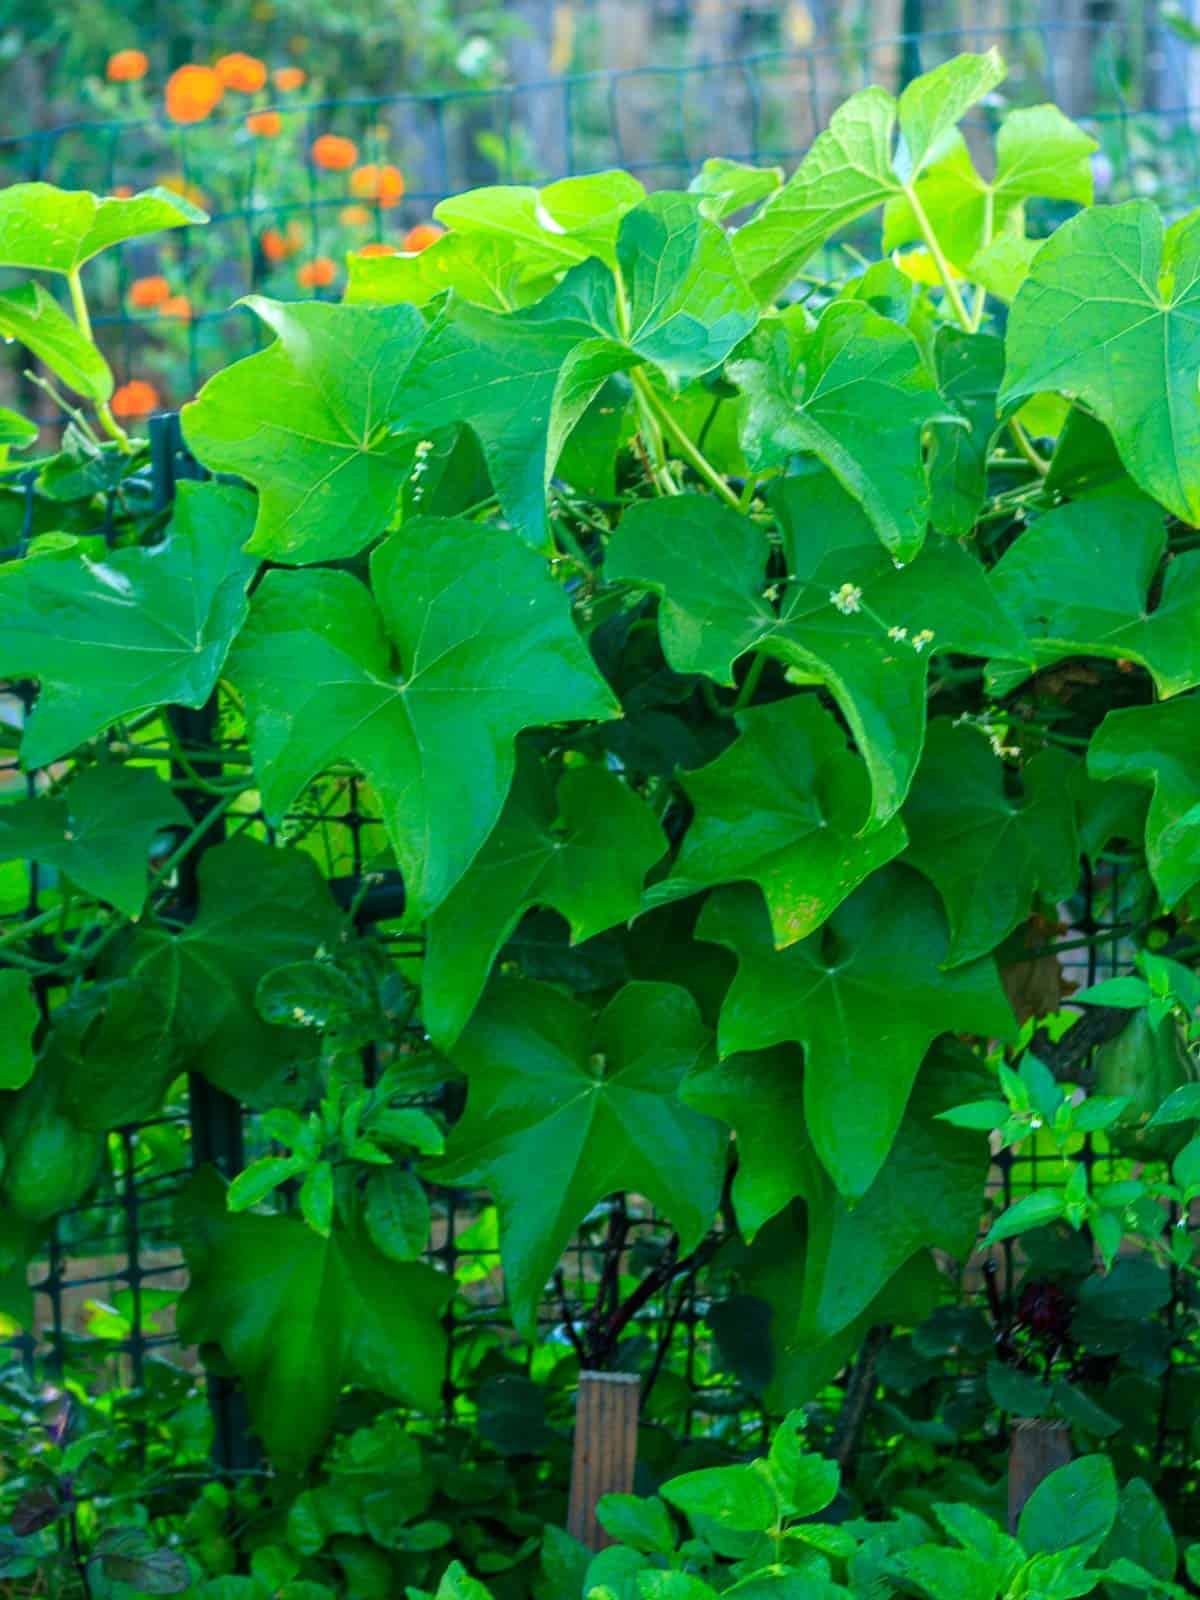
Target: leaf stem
x=702, y=465
x=83, y=319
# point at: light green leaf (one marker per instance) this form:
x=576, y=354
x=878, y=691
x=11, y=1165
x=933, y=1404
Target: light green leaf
x=852, y=167
x=259, y=908
x=725, y=186
x=807, y=1482
x=553, y=228
x=741, y=1499
x=836, y=994
x=57, y=230
x=987, y=854
x=301, y=1315
x=643, y=1524
x=708, y=565
x=397, y=1214
x=812, y=401
x=1080, y=579
x=1074, y=1508
x=16, y=432
x=306, y=422
x=1108, y=315
x=1034, y=1211
x=331, y=672
x=583, y=848
x=141, y=628
x=98, y=831
x=316, y=1199
x=33, y=317
x=563, y=1111
x=261, y=1178
x=1181, y=1105
x=21, y=1019
x=1159, y=746
x=782, y=807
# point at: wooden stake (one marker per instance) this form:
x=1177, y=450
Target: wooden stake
x=1037, y=1449
x=606, y=1424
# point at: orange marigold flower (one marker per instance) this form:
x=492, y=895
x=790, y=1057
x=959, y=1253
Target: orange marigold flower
x=176, y=305
x=288, y=78
x=264, y=124
x=318, y=273
x=421, y=237
x=127, y=66
x=334, y=153
x=278, y=245
x=354, y=216
x=137, y=398
x=376, y=248
x=384, y=185
x=192, y=92
x=147, y=292
x=246, y=74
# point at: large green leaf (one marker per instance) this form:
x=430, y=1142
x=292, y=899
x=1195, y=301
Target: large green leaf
x=584, y=848
x=306, y=422
x=970, y=367
x=424, y=685
x=31, y=315
x=849, y=618
x=812, y=400
x=521, y=381
x=300, y=1316
x=855, y=165
x=21, y=1019
x=1110, y=313
x=57, y=230
x=708, y=566
x=1159, y=746
x=1073, y=1509
x=98, y=831
x=987, y=853
x=866, y=995
x=141, y=628
x=259, y=908
x=564, y=1110
x=783, y=807
x=1080, y=579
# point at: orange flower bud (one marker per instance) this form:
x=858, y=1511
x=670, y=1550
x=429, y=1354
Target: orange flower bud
x=137, y=398
x=376, y=248
x=147, y=292
x=264, y=124
x=192, y=92
x=318, y=273
x=127, y=66
x=289, y=78
x=246, y=74
x=384, y=185
x=334, y=153
x=421, y=237
x=176, y=305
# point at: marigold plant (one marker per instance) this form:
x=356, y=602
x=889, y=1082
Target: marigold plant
x=137, y=398
x=264, y=124
x=244, y=73
x=383, y=184
x=127, y=66
x=334, y=152
x=289, y=78
x=146, y=293
x=318, y=273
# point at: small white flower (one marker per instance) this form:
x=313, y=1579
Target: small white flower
x=847, y=599
x=897, y=633
x=920, y=640
x=1035, y=1123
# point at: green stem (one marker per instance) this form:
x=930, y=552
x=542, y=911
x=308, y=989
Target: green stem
x=953, y=297
x=749, y=684
x=1025, y=445
x=103, y=410
x=683, y=443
